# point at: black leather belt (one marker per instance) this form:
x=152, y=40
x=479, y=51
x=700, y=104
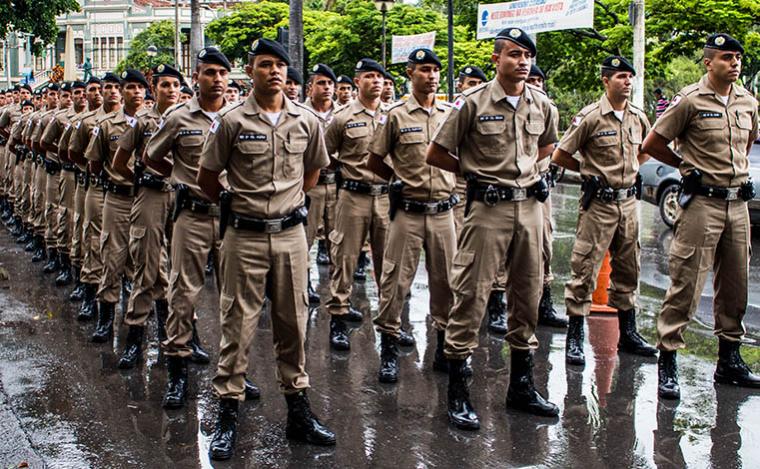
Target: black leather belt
x=69, y=167
x=723, y=193
x=153, y=182
x=272, y=225
x=52, y=167
x=118, y=189
x=491, y=194
x=430, y=208
x=197, y=205
x=94, y=181
x=326, y=178
x=364, y=188
x=609, y=195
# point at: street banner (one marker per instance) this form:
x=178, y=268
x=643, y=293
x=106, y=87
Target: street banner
x=534, y=16
x=402, y=46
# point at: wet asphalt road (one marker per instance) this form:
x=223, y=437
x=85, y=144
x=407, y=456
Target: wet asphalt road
x=63, y=402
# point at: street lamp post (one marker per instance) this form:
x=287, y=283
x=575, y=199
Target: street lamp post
x=383, y=6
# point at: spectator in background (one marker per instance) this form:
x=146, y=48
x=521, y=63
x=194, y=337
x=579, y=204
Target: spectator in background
x=661, y=104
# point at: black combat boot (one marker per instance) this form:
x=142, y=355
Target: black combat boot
x=89, y=307
x=574, y=344
x=667, y=376
x=126, y=288
x=199, y=356
x=64, y=273
x=314, y=298
x=17, y=227
x=161, y=307
x=252, y=392
x=405, y=339
x=39, y=249
x=339, y=339
x=497, y=313
x=360, y=274
x=78, y=293
x=176, y=386
x=222, y=445
x=25, y=237
x=522, y=394
x=323, y=258
x=461, y=413
x=353, y=315
x=388, y=359
x=53, y=263
x=133, y=348
x=210, y=264
x=440, y=363
x=630, y=339
x=303, y=425
x=731, y=368
x=104, y=327
x=547, y=315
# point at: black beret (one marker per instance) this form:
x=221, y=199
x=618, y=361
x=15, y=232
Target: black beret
x=344, y=79
x=293, y=75
x=424, y=56
x=131, y=75
x=78, y=84
x=269, y=47
x=722, y=41
x=95, y=80
x=324, y=70
x=535, y=71
x=110, y=77
x=387, y=75
x=212, y=55
x=26, y=102
x=369, y=65
x=53, y=87
x=186, y=90
x=165, y=70
x=617, y=63
x=25, y=86
x=149, y=96
x=519, y=37
x=234, y=84
x=66, y=87
x=473, y=72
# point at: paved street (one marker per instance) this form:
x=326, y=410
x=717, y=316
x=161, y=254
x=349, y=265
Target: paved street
x=63, y=403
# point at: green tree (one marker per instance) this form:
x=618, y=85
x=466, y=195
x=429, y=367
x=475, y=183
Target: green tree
x=35, y=17
x=159, y=35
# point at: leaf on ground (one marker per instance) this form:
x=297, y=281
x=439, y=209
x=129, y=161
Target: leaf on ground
x=4, y=275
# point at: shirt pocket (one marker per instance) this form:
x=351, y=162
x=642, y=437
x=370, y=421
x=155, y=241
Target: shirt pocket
x=357, y=141
x=492, y=138
x=254, y=156
x=292, y=165
x=190, y=147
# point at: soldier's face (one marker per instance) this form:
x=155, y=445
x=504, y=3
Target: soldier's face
x=292, y=89
x=387, y=90
x=369, y=84
x=17, y=97
x=724, y=65
x=2, y=100
x=512, y=62
x=134, y=94
x=424, y=78
x=52, y=99
x=65, y=99
x=619, y=84
x=94, y=97
x=111, y=93
x=212, y=80
x=167, y=91
x=468, y=82
x=184, y=97
x=322, y=88
x=536, y=81
x=27, y=109
x=232, y=95
x=344, y=93
x=268, y=73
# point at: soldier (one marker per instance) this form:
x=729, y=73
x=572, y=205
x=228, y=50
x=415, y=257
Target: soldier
x=149, y=100
x=421, y=203
x=499, y=130
x=272, y=150
x=323, y=196
x=344, y=87
x=117, y=205
x=293, y=84
x=185, y=94
x=547, y=315
x=92, y=222
x=21, y=171
x=388, y=96
x=67, y=188
x=362, y=207
x=232, y=95
x=607, y=136
x=174, y=150
x=148, y=217
x=10, y=116
x=716, y=122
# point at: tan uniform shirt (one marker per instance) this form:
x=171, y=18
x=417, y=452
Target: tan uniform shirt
x=136, y=138
x=609, y=148
x=496, y=142
x=54, y=130
x=44, y=122
x=265, y=164
x=10, y=116
x=82, y=133
x=105, y=141
x=405, y=136
x=180, y=134
x=348, y=137
x=68, y=132
x=29, y=124
x=712, y=136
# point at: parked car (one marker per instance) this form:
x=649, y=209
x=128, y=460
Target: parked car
x=661, y=183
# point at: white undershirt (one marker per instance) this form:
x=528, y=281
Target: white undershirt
x=211, y=115
x=513, y=100
x=323, y=115
x=273, y=117
x=724, y=99
x=619, y=115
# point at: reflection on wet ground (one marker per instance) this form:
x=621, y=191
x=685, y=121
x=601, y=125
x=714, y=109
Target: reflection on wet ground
x=63, y=402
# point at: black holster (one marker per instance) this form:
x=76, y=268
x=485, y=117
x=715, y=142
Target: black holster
x=747, y=191
x=395, y=197
x=689, y=186
x=589, y=187
x=225, y=209
x=639, y=186
x=541, y=190
x=472, y=188
x=179, y=202
x=139, y=171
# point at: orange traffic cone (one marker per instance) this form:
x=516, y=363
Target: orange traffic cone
x=599, y=298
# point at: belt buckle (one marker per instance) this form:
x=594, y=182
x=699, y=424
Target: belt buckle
x=621, y=194
x=431, y=209
x=732, y=194
x=375, y=190
x=272, y=226
x=519, y=194
x=491, y=197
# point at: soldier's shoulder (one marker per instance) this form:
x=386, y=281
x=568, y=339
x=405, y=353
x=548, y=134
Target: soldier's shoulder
x=641, y=113
x=105, y=117
x=475, y=91
x=143, y=112
x=175, y=110
x=230, y=107
x=307, y=110
x=395, y=108
x=688, y=90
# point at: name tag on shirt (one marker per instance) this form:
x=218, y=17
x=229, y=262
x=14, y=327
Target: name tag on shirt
x=252, y=137
x=710, y=115
x=147, y=133
x=182, y=133
x=606, y=133
x=490, y=118
x=113, y=138
x=352, y=125
x=407, y=130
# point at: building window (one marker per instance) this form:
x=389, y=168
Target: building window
x=78, y=51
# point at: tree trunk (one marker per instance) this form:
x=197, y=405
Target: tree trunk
x=196, y=30
x=295, y=35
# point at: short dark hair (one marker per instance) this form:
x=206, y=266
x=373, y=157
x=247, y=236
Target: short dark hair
x=609, y=73
x=498, y=45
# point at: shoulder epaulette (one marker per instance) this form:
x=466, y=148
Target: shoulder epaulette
x=173, y=108
x=226, y=109
x=536, y=88
x=475, y=89
x=143, y=112
x=307, y=108
x=105, y=117
x=395, y=105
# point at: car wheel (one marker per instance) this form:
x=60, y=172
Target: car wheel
x=669, y=204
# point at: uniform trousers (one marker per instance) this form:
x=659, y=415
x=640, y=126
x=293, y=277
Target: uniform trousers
x=114, y=246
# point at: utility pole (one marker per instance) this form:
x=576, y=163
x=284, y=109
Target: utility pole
x=176, y=36
x=196, y=30
x=450, y=58
x=637, y=17
x=295, y=36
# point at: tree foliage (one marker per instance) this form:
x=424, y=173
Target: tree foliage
x=160, y=35
x=34, y=17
